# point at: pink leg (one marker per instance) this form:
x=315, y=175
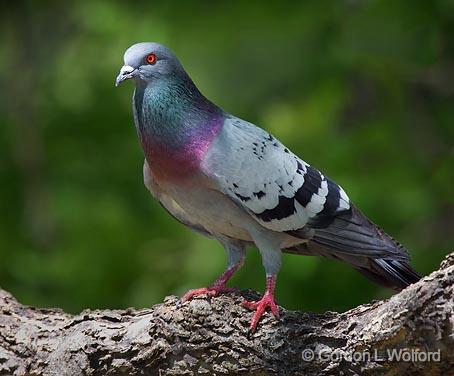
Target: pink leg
x=219, y=286
x=266, y=301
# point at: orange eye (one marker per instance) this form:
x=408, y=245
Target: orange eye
x=151, y=58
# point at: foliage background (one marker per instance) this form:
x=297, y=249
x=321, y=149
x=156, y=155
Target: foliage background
x=361, y=89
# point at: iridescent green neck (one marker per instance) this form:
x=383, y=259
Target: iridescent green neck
x=171, y=111
x=176, y=125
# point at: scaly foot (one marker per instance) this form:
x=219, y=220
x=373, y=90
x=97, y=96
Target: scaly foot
x=212, y=290
x=218, y=287
x=260, y=305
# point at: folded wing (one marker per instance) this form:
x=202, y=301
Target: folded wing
x=285, y=194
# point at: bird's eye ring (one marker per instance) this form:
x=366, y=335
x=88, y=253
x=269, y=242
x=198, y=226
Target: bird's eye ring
x=151, y=58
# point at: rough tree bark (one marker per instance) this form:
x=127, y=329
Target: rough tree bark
x=211, y=337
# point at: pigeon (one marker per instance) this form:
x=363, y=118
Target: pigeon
x=234, y=182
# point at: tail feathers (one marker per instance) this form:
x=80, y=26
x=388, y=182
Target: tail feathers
x=394, y=274
x=351, y=237
x=351, y=233
x=390, y=273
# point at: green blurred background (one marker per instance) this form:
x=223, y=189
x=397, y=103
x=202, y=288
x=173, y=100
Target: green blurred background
x=362, y=90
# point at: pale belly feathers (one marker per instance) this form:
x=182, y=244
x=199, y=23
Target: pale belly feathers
x=208, y=211
x=201, y=208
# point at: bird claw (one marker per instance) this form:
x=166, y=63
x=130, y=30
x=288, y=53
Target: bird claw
x=260, y=306
x=213, y=290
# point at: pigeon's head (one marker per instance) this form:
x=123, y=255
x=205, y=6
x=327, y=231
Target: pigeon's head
x=147, y=62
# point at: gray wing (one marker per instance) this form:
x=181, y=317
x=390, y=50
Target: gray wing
x=281, y=191
x=285, y=194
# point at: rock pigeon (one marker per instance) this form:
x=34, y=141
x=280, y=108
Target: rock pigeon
x=232, y=181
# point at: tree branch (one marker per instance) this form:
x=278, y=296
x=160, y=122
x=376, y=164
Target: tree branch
x=211, y=337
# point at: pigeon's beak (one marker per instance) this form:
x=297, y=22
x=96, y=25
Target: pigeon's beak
x=126, y=72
